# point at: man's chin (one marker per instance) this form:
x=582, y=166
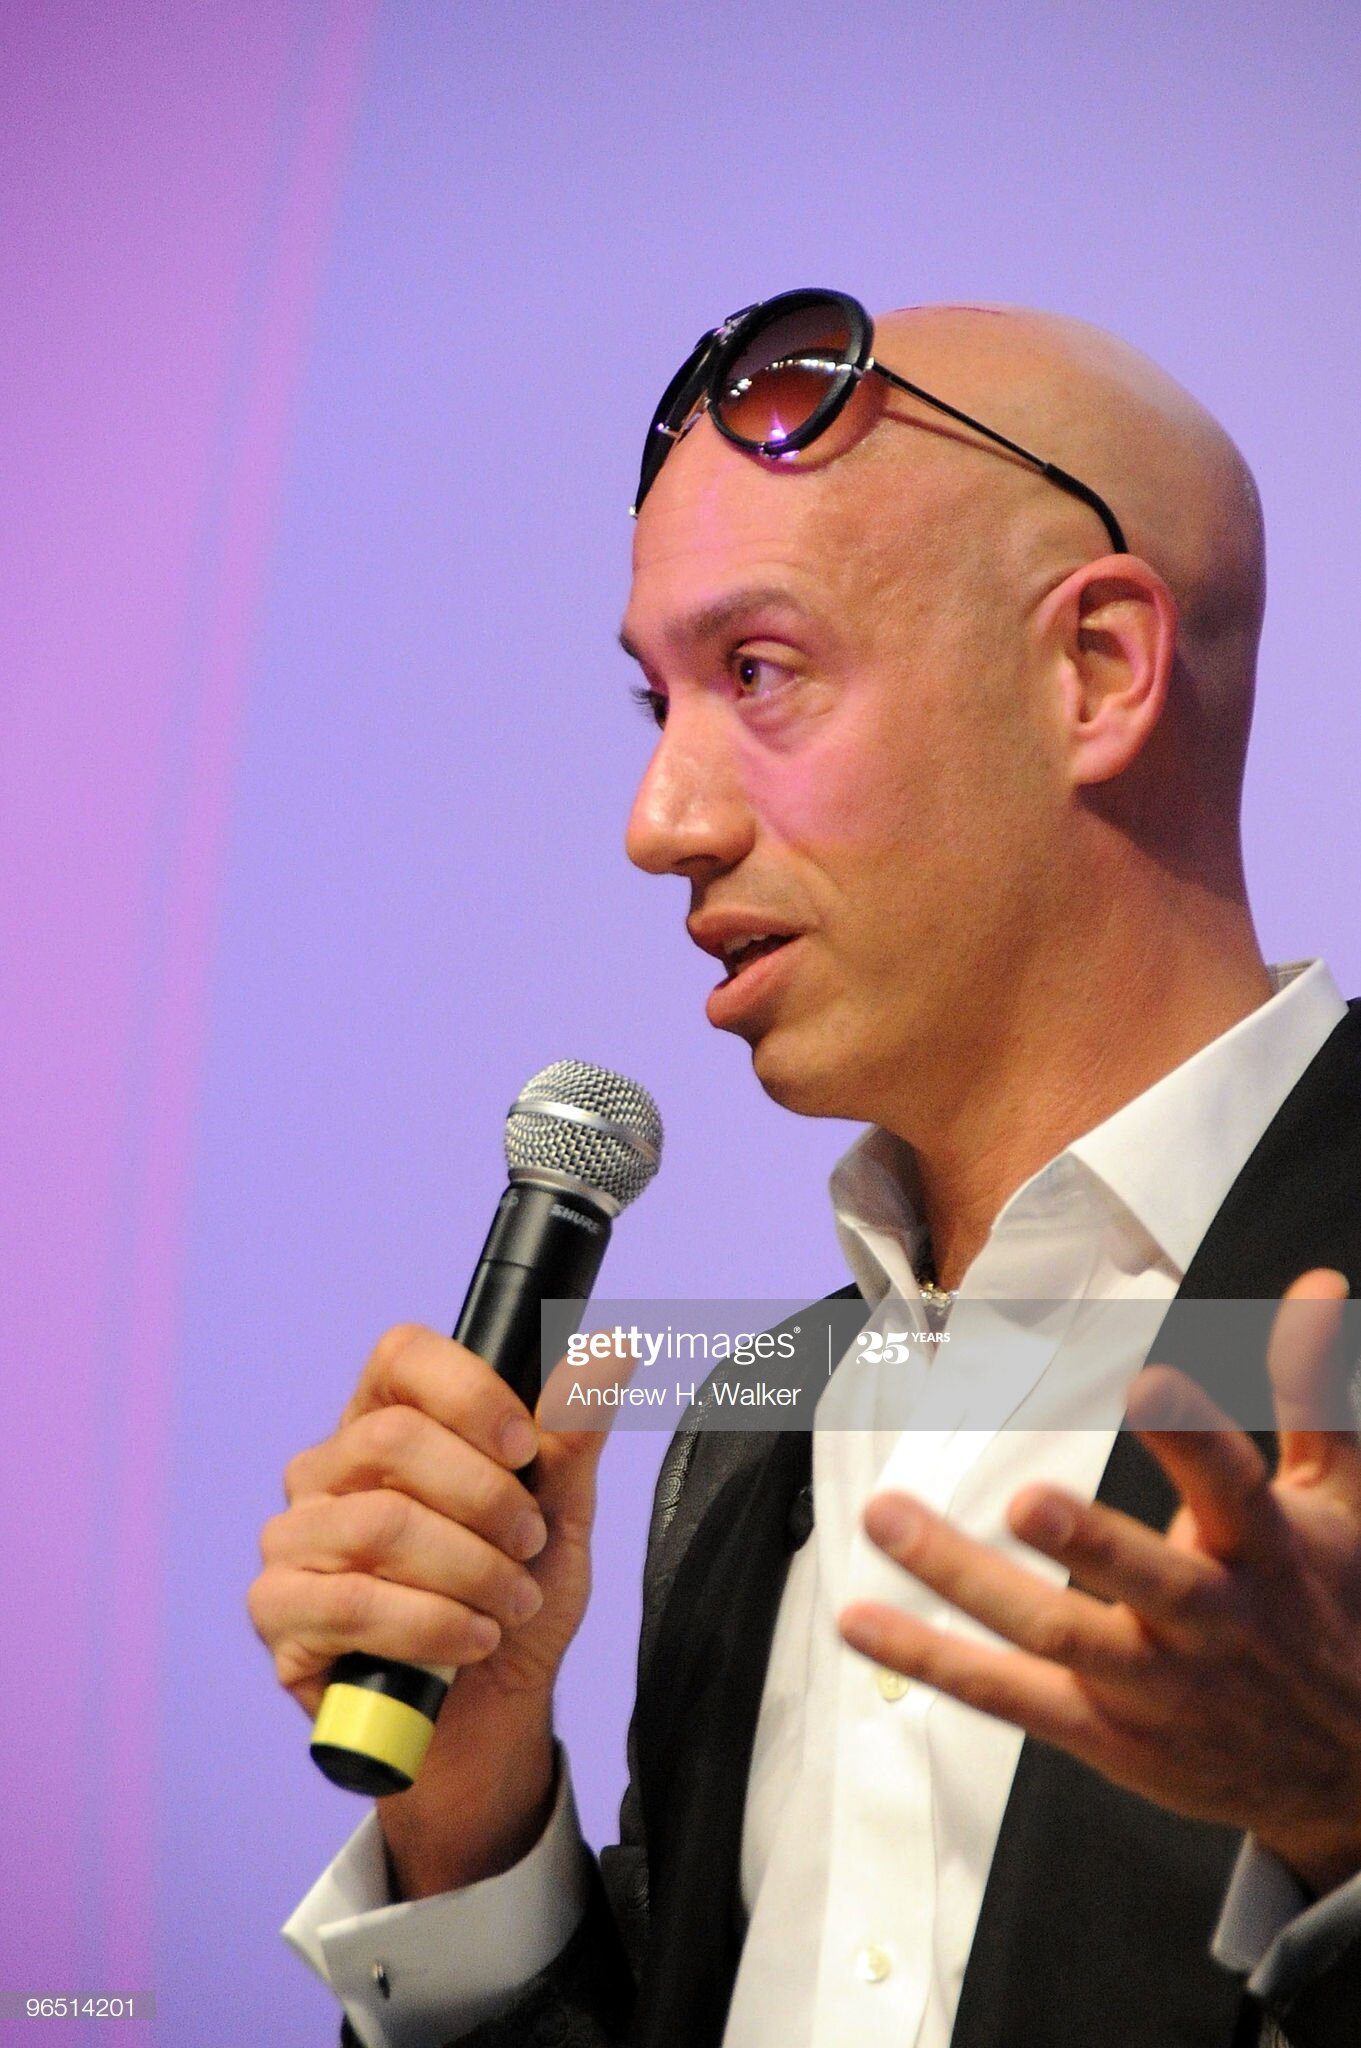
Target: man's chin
x=808, y=1080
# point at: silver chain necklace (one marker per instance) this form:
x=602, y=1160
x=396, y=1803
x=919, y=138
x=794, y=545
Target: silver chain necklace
x=938, y=1300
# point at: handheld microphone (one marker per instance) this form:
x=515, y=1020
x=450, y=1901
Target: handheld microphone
x=581, y=1144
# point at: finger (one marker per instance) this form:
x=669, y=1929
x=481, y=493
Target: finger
x=1027, y=1691
x=401, y=1449
x=308, y=1619
x=1218, y=1471
x=1110, y=1554
x=1051, y=1622
x=393, y=1537
x=1314, y=1414
x=417, y=1368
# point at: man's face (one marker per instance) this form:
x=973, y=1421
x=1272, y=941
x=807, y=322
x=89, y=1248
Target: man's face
x=850, y=760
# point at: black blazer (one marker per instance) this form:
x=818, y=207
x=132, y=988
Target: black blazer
x=1099, y=1907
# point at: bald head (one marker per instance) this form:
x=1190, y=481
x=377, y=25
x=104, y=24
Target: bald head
x=1107, y=413
x=1181, y=490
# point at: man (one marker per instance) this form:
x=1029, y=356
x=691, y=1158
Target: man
x=953, y=739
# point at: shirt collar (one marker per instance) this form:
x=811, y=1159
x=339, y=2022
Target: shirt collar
x=1168, y=1158
x=1172, y=1154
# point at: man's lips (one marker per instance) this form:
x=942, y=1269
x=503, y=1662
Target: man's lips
x=756, y=974
x=737, y=940
x=755, y=949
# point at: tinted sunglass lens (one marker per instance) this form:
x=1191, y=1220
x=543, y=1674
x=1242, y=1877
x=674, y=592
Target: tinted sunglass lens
x=784, y=374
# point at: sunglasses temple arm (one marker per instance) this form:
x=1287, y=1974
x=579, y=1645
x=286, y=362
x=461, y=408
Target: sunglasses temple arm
x=1074, y=487
x=1077, y=489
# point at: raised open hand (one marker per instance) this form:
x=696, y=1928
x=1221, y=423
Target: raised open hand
x=1216, y=1669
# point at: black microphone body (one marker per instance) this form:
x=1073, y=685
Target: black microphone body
x=546, y=1243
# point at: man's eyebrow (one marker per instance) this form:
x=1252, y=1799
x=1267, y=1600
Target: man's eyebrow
x=714, y=619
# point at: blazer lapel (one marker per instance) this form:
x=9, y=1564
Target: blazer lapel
x=696, y=1724
x=1099, y=1907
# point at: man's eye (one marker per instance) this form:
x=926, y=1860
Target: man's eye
x=650, y=702
x=756, y=677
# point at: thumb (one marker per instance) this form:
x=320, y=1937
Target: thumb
x=1314, y=1416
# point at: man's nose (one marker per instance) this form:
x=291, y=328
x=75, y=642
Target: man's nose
x=691, y=814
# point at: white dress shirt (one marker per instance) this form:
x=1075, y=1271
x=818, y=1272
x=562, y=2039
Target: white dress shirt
x=874, y=1806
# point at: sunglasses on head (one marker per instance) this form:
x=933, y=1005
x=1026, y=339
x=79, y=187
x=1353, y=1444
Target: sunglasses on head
x=773, y=377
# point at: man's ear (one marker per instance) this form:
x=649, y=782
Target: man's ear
x=1111, y=630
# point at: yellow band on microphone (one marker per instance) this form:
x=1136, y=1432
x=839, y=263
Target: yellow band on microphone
x=373, y=1724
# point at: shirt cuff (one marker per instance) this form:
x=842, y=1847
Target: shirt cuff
x=1270, y=1927
x=1262, y=1899
x=448, y=1962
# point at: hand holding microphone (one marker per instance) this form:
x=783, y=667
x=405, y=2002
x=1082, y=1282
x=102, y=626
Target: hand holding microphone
x=410, y=1543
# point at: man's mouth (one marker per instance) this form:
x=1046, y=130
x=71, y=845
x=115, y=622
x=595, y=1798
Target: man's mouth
x=744, y=951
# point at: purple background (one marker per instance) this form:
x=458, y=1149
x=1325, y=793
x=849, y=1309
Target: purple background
x=328, y=337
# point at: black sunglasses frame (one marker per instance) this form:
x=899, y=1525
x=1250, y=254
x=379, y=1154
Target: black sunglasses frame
x=701, y=383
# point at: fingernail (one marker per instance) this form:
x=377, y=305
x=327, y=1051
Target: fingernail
x=860, y=1629
x=1051, y=1521
x=531, y=1533
x=518, y=1441
x=895, y=1524
x=485, y=1633
x=526, y=1599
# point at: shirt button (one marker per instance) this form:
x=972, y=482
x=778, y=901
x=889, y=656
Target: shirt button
x=873, y=1964
x=892, y=1684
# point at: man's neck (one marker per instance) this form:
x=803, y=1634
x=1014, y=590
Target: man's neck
x=1016, y=1116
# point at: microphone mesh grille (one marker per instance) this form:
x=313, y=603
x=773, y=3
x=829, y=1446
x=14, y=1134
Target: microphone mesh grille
x=544, y=1129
